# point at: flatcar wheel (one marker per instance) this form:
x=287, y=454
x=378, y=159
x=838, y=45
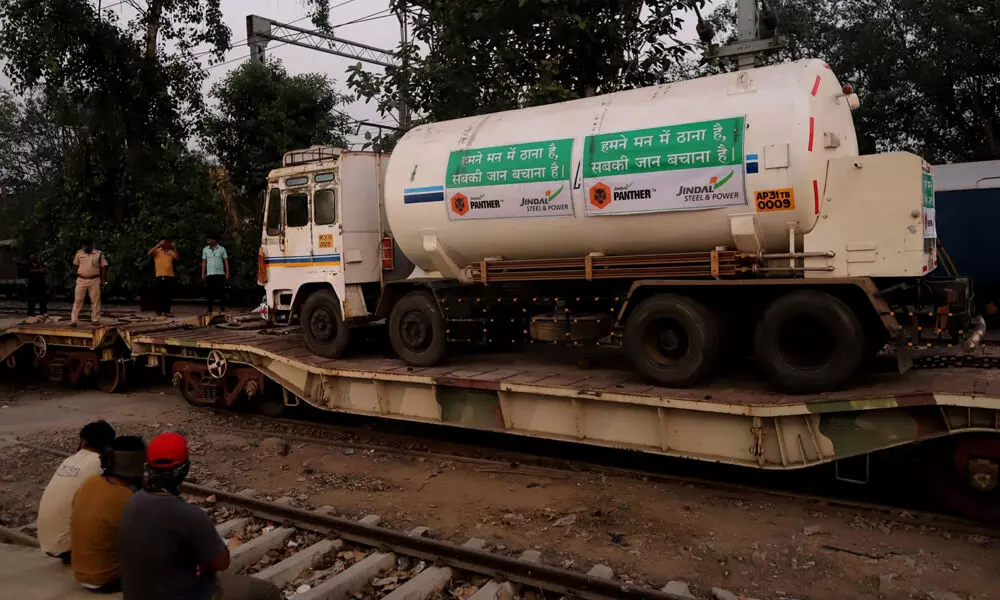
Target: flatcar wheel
x=189, y=390
x=111, y=376
x=966, y=475
x=272, y=406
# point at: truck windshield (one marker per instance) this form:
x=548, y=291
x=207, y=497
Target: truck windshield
x=273, y=226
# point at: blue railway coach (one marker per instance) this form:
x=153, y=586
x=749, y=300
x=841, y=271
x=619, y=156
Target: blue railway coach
x=967, y=196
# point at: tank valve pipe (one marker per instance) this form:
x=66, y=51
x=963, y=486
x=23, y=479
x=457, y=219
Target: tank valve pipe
x=791, y=245
x=977, y=335
x=780, y=255
x=796, y=269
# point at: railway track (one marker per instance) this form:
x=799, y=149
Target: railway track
x=314, y=555
x=506, y=461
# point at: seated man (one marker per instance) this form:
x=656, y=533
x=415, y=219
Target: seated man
x=97, y=512
x=57, y=500
x=169, y=549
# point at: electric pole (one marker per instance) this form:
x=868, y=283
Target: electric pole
x=261, y=30
x=404, y=41
x=756, y=30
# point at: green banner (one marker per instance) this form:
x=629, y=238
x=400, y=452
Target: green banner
x=690, y=166
x=928, y=189
x=687, y=146
x=517, y=180
x=512, y=164
x=929, y=209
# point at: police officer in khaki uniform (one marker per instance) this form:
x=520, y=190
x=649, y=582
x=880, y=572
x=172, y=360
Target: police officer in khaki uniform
x=91, y=272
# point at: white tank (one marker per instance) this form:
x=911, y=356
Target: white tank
x=659, y=169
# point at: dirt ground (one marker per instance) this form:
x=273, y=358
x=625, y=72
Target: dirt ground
x=650, y=533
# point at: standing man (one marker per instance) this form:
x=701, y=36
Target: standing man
x=57, y=500
x=97, y=514
x=91, y=273
x=215, y=273
x=37, y=289
x=169, y=549
x=164, y=256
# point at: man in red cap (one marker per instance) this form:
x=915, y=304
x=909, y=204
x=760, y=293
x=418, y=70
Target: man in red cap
x=169, y=549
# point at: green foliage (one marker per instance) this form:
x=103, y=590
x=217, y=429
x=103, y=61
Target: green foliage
x=926, y=70
x=35, y=149
x=262, y=112
x=488, y=56
x=102, y=143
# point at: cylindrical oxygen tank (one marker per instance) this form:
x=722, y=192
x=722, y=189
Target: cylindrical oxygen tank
x=652, y=170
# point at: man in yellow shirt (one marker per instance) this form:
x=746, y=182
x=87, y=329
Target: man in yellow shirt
x=97, y=514
x=164, y=254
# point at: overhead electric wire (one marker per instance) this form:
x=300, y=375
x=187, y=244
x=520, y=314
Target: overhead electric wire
x=368, y=20
x=222, y=64
x=364, y=18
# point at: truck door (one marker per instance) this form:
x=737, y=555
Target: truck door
x=271, y=247
x=326, y=230
x=297, y=243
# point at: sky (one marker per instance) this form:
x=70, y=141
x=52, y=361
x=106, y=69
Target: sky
x=382, y=31
x=366, y=21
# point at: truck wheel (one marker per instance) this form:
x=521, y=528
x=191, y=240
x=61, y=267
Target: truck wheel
x=809, y=342
x=417, y=330
x=672, y=339
x=324, y=328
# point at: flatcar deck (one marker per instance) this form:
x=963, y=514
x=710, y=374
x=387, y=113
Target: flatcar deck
x=544, y=392
x=561, y=370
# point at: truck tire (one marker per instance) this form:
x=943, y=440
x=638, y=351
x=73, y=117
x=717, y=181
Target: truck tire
x=809, y=342
x=673, y=340
x=417, y=330
x=323, y=326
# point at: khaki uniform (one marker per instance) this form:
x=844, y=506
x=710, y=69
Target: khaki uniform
x=88, y=282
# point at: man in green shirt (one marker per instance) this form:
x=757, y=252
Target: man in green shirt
x=215, y=272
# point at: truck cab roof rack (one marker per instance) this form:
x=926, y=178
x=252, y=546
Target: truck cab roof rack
x=310, y=155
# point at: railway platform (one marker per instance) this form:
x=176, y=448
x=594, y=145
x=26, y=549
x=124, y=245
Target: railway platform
x=27, y=574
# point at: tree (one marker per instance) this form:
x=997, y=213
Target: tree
x=926, y=71
x=35, y=147
x=100, y=141
x=121, y=171
x=262, y=112
x=470, y=57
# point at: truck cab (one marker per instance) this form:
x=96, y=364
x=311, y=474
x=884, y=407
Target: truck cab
x=325, y=248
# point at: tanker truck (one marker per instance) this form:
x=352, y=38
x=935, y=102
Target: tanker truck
x=727, y=216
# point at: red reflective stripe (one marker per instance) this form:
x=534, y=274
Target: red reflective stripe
x=816, y=194
x=816, y=85
x=826, y=66
x=812, y=130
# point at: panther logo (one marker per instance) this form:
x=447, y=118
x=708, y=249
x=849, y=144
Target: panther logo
x=600, y=195
x=460, y=204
